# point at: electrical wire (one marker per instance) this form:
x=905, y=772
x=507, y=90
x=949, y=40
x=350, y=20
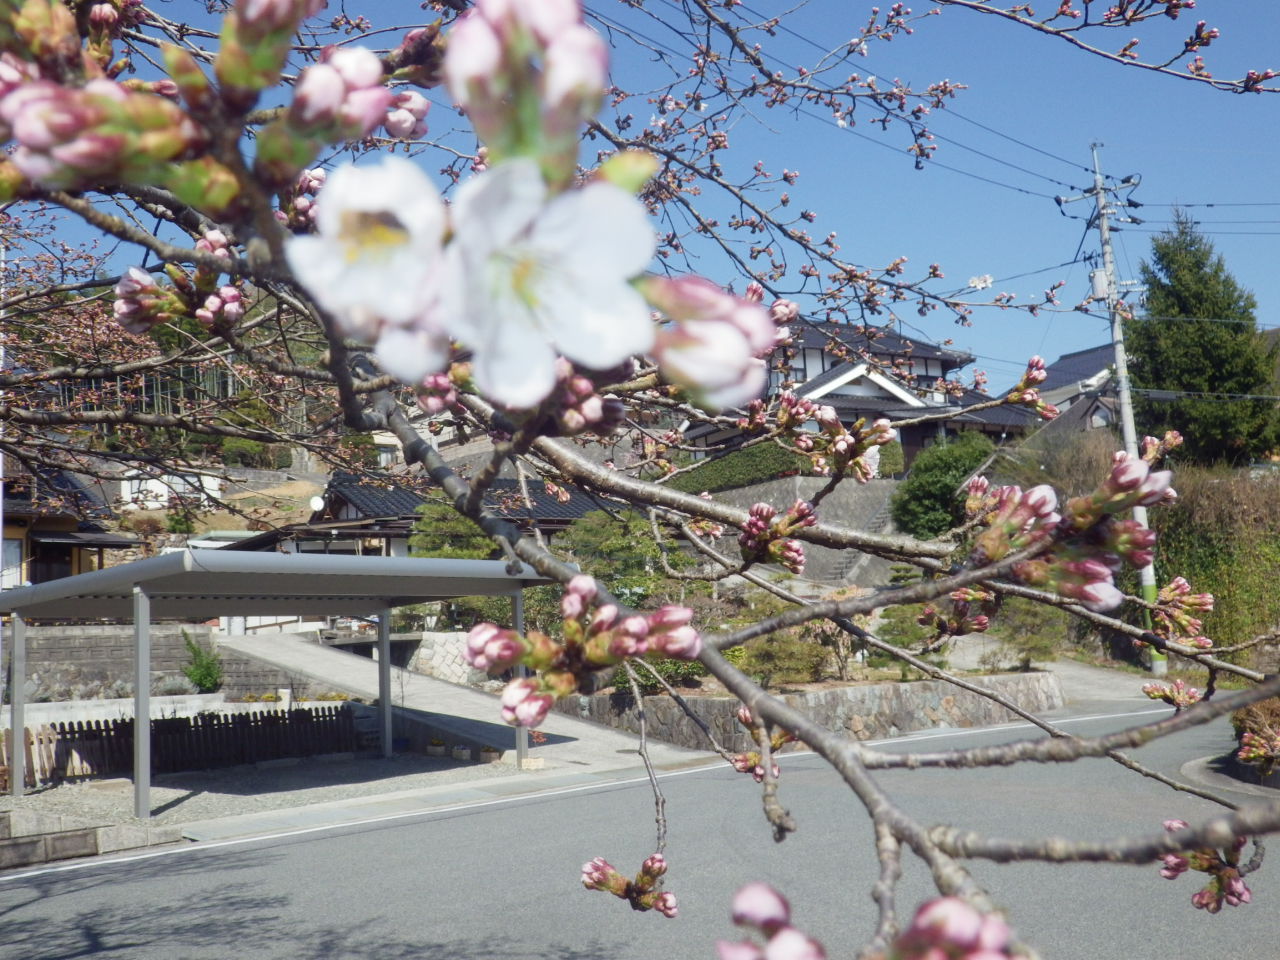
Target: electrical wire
x=1198, y=395
x=950, y=111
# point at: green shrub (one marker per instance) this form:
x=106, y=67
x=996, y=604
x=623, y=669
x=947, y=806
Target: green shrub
x=783, y=658
x=892, y=459
x=1031, y=631
x=926, y=504
x=205, y=668
x=741, y=468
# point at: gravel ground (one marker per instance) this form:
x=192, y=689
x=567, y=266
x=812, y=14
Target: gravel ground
x=209, y=794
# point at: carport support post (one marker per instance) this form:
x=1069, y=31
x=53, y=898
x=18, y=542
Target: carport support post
x=17, y=708
x=384, y=681
x=141, y=703
x=522, y=733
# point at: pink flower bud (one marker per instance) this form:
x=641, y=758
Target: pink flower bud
x=359, y=68
x=523, y=705
x=666, y=904
x=738, y=950
x=947, y=922
x=682, y=643
x=790, y=944
x=759, y=905
x=584, y=586
x=1101, y=596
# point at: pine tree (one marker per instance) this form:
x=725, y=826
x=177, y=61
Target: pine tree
x=1199, y=335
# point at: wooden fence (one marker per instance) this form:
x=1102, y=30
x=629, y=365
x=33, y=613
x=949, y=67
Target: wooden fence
x=63, y=751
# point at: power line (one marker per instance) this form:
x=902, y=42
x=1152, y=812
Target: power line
x=1250, y=203
x=814, y=44
x=1198, y=395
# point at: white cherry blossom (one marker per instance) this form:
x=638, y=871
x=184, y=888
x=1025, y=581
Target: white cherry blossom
x=376, y=256
x=530, y=277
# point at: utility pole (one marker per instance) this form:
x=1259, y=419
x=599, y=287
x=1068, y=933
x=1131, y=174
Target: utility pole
x=1107, y=290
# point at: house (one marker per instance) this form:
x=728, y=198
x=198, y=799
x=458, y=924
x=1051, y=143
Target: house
x=1083, y=385
x=53, y=526
x=873, y=372
x=374, y=515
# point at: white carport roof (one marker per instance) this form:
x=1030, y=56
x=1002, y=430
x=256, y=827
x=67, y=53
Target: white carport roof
x=202, y=584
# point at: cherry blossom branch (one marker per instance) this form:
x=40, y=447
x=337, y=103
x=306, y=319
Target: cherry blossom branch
x=659, y=800
x=981, y=6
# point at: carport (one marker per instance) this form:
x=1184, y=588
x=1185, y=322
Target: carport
x=197, y=585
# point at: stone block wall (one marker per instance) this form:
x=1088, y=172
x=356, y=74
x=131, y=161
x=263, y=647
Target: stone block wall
x=440, y=655
x=866, y=712
x=88, y=661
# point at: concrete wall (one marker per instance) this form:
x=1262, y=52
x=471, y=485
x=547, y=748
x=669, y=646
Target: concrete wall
x=861, y=712
x=862, y=506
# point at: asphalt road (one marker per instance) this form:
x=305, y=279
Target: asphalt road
x=500, y=881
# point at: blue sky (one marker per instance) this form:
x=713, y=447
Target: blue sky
x=1190, y=144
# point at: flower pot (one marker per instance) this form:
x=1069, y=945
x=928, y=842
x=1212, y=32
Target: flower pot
x=461, y=753
x=436, y=749
x=490, y=756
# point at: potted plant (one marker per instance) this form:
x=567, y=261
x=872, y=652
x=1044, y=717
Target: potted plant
x=461, y=752
x=490, y=754
x=436, y=748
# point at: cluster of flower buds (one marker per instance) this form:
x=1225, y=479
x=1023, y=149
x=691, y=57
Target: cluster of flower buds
x=1176, y=694
x=707, y=528
x=1131, y=483
x=227, y=304
x=1225, y=885
x=756, y=420
x=298, y=206
x=528, y=75
x=765, y=910
x=1260, y=749
x=340, y=98
x=948, y=928
x=713, y=341
x=107, y=20
x=407, y=117
x=751, y=761
x=643, y=893
x=256, y=39
x=1153, y=450
x=592, y=640
x=1024, y=392
x=1091, y=545
x=793, y=411
x=835, y=450
x=1016, y=519
x=141, y=302
x=1076, y=572
x=418, y=56
x=437, y=393
x=1178, y=614
x=766, y=536
x=970, y=612
x=580, y=407
x=99, y=132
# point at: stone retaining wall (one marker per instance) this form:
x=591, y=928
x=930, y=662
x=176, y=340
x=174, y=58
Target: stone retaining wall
x=866, y=712
x=440, y=655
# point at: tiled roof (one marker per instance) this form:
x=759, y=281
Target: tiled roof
x=374, y=497
x=1073, y=367
x=876, y=340
x=53, y=493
